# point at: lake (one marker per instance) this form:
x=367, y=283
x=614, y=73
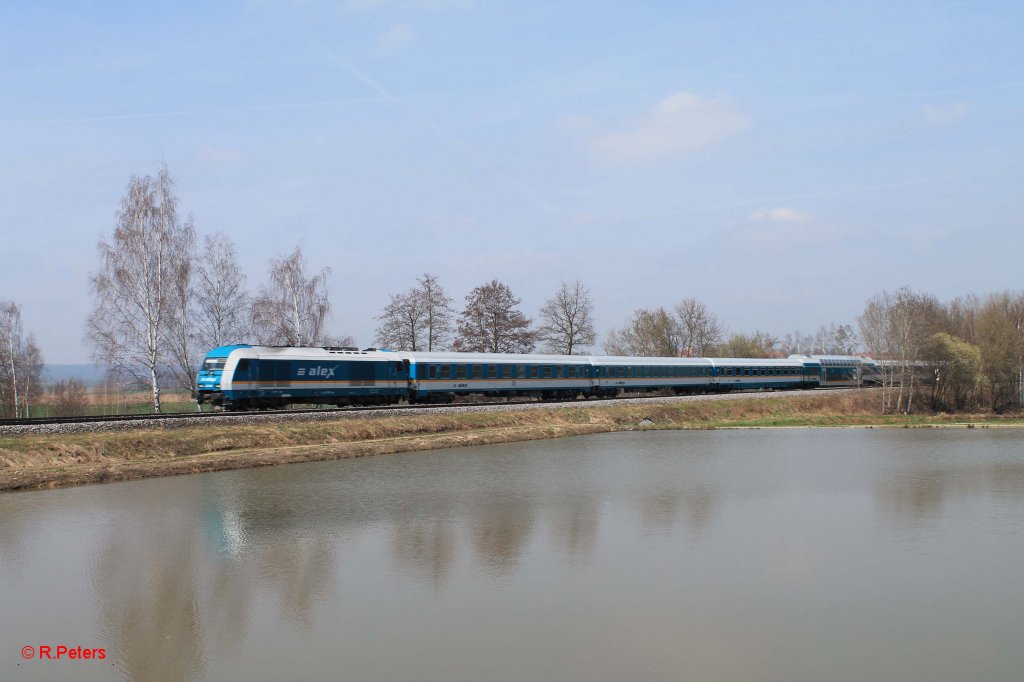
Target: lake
x=795, y=554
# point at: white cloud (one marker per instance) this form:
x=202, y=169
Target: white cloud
x=396, y=37
x=780, y=215
x=946, y=114
x=680, y=124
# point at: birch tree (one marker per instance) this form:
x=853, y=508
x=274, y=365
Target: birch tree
x=491, y=322
x=222, y=303
x=897, y=327
x=133, y=291
x=567, y=324
x=10, y=354
x=293, y=308
x=418, y=319
x=21, y=364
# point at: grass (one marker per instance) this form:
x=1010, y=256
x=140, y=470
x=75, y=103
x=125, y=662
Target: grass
x=29, y=461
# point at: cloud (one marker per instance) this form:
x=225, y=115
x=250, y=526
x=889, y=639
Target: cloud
x=784, y=225
x=396, y=37
x=946, y=114
x=680, y=124
x=780, y=215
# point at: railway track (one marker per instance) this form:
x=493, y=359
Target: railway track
x=112, y=420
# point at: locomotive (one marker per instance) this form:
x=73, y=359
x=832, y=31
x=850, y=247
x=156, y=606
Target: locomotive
x=242, y=377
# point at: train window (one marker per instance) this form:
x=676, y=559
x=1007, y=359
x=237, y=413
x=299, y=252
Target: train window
x=547, y=371
x=621, y=373
x=478, y=371
x=492, y=372
x=243, y=365
x=521, y=372
x=535, y=371
x=398, y=367
x=460, y=371
x=506, y=371
x=446, y=371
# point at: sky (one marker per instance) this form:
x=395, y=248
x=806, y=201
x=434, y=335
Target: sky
x=782, y=162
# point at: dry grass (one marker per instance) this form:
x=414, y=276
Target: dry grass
x=31, y=461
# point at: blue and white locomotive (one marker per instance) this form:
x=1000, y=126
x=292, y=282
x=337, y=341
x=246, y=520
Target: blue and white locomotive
x=244, y=377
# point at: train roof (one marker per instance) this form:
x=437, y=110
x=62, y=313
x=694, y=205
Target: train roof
x=497, y=358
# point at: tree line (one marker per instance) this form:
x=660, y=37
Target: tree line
x=161, y=298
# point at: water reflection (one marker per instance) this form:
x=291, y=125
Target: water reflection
x=144, y=578
x=575, y=524
x=425, y=548
x=468, y=551
x=500, y=531
x=917, y=494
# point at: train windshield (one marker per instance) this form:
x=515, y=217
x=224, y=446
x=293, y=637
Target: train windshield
x=212, y=364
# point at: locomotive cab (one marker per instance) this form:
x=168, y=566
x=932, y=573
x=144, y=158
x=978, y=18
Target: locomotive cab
x=213, y=379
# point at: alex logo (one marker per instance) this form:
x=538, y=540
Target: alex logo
x=318, y=371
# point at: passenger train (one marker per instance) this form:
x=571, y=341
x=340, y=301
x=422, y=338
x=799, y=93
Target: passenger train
x=248, y=377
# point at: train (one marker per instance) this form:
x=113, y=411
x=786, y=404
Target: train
x=244, y=377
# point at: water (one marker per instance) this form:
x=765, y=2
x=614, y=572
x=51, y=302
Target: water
x=728, y=555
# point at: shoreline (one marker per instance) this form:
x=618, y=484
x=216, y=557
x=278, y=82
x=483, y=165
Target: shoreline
x=46, y=461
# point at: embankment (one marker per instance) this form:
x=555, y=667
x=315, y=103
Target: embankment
x=29, y=461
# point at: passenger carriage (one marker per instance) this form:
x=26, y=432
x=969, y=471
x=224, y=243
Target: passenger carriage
x=616, y=374
x=441, y=376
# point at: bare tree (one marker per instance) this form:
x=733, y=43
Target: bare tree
x=69, y=398
x=437, y=306
x=757, y=345
x=418, y=319
x=21, y=364
x=401, y=324
x=700, y=328
x=490, y=322
x=293, y=308
x=649, y=333
x=897, y=326
x=184, y=347
x=32, y=367
x=222, y=303
x=10, y=354
x=796, y=343
x=134, y=289
x=567, y=324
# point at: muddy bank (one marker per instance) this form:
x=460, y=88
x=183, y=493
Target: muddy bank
x=43, y=461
